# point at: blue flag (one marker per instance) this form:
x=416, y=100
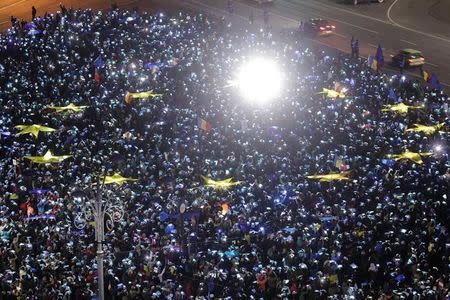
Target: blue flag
x=391, y=95
x=435, y=84
x=388, y=162
x=152, y=67
x=98, y=62
x=379, y=57
x=372, y=63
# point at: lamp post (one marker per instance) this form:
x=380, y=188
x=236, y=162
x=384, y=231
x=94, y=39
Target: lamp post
x=98, y=208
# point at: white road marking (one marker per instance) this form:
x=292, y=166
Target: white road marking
x=408, y=42
x=349, y=24
x=388, y=14
x=329, y=45
x=283, y=17
x=13, y=4
x=214, y=8
x=296, y=21
x=350, y=12
x=372, y=45
x=428, y=63
x=341, y=35
x=316, y=41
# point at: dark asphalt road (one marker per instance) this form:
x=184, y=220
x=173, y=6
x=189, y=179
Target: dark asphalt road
x=370, y=23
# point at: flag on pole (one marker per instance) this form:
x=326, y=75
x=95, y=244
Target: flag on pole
x=203, y=124
x=434, y=81
x=152, y=67
x=97, y=76
x=424, y=74
x=342, y=165
x=174, y=61
x=391, y=95
x=372, y=63
x=98, y=62
x=379, y=58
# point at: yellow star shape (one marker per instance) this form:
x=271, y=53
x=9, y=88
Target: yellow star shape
x=426, y=129
x=330, y=177
x=118, y=179
x=142, y=95
x=332, y=93
x=71, y=107
x=220, y=184
x=47, y=158
x=33, y=129
x=400, y=108
x=414, y=156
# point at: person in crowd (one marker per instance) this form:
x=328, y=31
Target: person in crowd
x=352, y=46
x=33, y=12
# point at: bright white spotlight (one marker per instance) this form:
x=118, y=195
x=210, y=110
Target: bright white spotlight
x=259, y=80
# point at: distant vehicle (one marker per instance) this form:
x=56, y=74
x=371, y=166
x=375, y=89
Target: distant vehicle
x=411, y=57
x=319, y=27
x=264, y=1
x=355, y=2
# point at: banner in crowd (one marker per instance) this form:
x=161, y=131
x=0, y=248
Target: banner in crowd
x=118, y=179
x=331, y=176
x=33, y=129
x=220, y=184
x=428, y=130
x=408, y=155
x=71, y=107
x=400, y=108
x=48, y=158
x=141, y=95
x=332, y=93
x=41, y=217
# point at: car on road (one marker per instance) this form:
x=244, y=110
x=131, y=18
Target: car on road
x=319, y=27
x=355, y=2
x=411, y=57
x=261, y=2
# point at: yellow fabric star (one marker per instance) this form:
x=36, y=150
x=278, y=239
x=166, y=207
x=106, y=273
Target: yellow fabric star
x=400, y=108
x=220, y=184
x=142, y=95
x=33, y=129
x=47, y=158
x=117, y=178
x=426, y=129
x=332, y=93
x=330, y=177
x=71, y=107
x=414, y=156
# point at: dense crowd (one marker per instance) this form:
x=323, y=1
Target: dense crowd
x=276, y=235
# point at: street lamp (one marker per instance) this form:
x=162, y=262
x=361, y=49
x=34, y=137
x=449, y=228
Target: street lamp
x=96, y=207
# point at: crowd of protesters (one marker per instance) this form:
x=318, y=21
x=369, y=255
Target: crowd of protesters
x=276, y=235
